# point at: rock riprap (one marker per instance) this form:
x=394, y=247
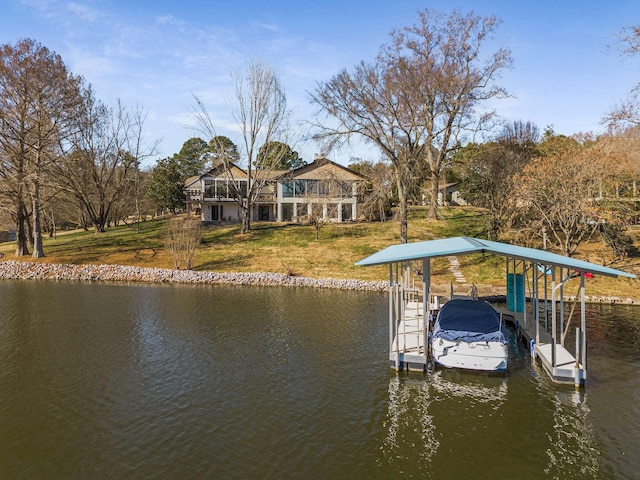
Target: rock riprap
x=12, y=269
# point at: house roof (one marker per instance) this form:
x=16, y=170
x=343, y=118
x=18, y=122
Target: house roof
x=465, y=245
x=273, y=174
x=276, y=174
x=318, y=163
x=445, y=186
x=191, y=180
x=216, y=171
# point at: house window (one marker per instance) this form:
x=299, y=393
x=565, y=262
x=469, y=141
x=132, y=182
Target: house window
x=209, y=188
x=287, y=189
x=216, y=213
x=324, y=188
x=312, y=187
x=242, y=187
x=346, y=212
x=287, y=212
x=222, y=188
x=263, y=212
x=345, y=190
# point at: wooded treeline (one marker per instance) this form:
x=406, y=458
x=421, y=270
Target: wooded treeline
x=65, y=157
x=426, y=102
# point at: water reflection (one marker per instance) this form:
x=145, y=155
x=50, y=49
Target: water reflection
x=145, y=382
x=471, y=389
x=446, y=419
x=409, y=400
x=410, y=421
x=573, y=452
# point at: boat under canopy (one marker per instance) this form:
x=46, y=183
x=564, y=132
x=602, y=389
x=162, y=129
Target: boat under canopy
x=536, y=281
x=470, y=334
x=469, y=321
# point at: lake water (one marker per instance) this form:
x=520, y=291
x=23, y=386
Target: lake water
x=192, y=382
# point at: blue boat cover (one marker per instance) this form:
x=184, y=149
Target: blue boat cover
x=469, y=321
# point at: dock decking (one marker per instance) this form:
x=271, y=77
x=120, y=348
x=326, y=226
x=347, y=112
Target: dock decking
x=561, y=365
x=408, y=346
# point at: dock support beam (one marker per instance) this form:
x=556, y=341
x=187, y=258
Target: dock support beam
x=583, y=327
x=426, y=304
x=392, y=322
x=553, y=317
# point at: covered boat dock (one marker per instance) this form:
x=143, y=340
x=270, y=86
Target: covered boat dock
x=535, y=294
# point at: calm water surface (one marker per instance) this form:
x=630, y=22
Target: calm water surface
x=157, y=382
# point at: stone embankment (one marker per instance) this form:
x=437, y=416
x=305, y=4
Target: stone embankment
x=120, y=273
x=16, y=270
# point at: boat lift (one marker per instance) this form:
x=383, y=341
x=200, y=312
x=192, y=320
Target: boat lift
x=534, y=275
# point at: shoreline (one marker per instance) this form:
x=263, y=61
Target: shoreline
x=19, y=270
x=16, y=270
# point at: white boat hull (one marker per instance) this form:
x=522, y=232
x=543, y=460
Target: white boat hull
x=485, y=356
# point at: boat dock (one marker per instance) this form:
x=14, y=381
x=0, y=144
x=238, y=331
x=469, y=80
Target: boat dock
x=535, y=284
x=407, y=349
x=561, y=365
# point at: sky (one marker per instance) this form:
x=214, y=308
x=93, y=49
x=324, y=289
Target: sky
x=158, y=54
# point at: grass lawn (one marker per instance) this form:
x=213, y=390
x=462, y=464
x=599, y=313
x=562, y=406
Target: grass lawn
x=292, y=249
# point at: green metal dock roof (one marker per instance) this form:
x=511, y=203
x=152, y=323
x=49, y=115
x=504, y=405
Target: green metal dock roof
x=464, y=245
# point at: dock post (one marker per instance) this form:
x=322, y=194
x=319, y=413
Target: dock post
x=532, y=350
x=554, y=316
x=546, y=300
x=391, y=316
x=578, y=373
x=426, y=305
x=536, y=313
x=584, y=352
x=583, y=324
x=562, y=280
x=578, y=341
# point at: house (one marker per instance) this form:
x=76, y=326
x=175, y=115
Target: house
x=449, y=195
x=322, y=189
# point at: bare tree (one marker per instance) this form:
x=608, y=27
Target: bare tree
x=490, y=169
x=38, y=102
x=368, y=103
x=453, y=81
x=625, y=114
x=182, y=238
x=418, y=101
x=104, y=160
x=320, y=216
x=520, y=134
x=629, y=40
x=377, y=192
x=488, y=182
x=560, y=193
x=261, y=115
x=138, y=150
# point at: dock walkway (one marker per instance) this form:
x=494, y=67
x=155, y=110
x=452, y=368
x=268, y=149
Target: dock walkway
x=561, y=365
x=408, y=346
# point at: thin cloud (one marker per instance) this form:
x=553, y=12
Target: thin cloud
x=84, y=12
x=271, y=27
x=157, y=54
